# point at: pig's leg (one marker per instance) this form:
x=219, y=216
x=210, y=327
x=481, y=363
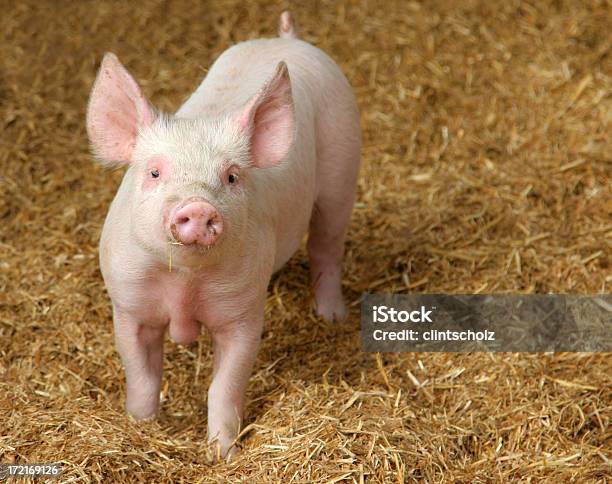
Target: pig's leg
x=235, y=346
x=142, y=351
x=337, y=174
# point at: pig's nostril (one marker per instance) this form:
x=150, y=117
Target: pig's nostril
x=182, y=220
x=211, y=225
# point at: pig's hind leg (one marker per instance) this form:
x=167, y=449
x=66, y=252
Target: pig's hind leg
x=338, y=164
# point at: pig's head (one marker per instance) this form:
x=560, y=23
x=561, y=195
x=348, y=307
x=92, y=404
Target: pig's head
x=191, y=179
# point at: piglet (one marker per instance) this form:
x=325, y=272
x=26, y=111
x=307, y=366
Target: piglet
x=215, y=199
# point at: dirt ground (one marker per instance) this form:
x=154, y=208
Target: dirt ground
x=486, y=168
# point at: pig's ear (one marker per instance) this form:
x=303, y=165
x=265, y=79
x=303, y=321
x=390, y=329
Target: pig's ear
x=268, y=118
x=117, y=109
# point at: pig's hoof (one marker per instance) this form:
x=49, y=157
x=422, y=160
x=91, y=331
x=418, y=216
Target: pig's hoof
x=331, y=309
x=223, y=449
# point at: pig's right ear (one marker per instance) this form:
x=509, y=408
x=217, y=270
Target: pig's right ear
x=117, y=110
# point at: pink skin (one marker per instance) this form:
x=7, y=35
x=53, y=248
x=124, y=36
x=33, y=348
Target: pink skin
x=215, y=199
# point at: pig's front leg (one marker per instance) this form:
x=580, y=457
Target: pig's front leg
x=142, y=351
x=235, y=346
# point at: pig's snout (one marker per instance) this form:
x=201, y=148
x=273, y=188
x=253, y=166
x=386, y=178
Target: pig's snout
x=197, y=222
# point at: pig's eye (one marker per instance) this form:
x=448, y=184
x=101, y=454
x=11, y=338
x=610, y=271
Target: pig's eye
x=155, y=173
x=231, y=176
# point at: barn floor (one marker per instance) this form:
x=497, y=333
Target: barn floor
x=486, y=168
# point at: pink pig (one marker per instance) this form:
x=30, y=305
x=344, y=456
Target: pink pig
x=216, y=198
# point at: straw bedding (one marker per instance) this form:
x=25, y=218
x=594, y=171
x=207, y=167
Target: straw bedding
x=486, y=168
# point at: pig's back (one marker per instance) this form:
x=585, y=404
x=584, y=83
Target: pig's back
x=243, y=69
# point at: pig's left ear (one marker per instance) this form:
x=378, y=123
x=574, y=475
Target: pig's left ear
x=268, y=118
x=117, y=110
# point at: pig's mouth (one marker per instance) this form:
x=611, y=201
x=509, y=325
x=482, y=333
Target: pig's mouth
x=175, y=240
x=193, y=248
